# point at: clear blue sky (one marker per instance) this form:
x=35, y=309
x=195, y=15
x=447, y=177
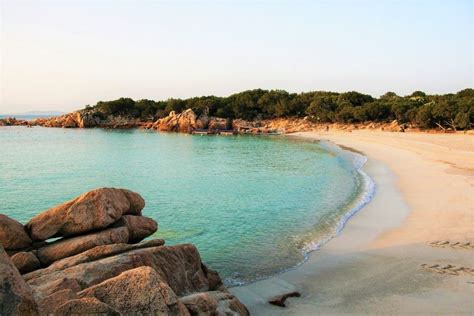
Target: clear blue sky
x=65, y=54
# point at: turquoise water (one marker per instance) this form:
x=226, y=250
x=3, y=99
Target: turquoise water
x=252, y=205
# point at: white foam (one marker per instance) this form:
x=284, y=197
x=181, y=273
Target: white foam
x=368, y=192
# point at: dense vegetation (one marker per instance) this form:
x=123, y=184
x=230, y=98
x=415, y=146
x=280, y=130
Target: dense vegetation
x=454, y=110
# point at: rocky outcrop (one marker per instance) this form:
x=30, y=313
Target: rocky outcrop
x=97, y=253
x=16, y=297
x=214, y=303
x=183, y=122
x=139, y=227
x=78, y=119
x=12, y=234
x=86, y=120
x=25, y=261
x=71, y=246
x=170, y=262
x=11, y=121
x=91, y=211
x=50, y=304
x=138, y=291
x=99, y=266
x=85, y=306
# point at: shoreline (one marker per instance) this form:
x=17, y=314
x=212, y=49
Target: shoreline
x=375, y=265
x=358, y=160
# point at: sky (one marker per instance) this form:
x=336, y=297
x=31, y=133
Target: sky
x=64, y=54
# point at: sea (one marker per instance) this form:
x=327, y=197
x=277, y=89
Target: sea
x=254, y=206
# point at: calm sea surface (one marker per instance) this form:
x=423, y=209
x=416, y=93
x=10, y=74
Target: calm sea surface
x=252, y=205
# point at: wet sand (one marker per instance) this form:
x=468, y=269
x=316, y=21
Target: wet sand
x=410, y=250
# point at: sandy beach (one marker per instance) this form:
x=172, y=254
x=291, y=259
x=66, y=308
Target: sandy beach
x=410, y=250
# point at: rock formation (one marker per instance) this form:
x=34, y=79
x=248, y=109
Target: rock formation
x=16, y=297
x=183, y=122
x=100, y=265
x=91, y=211
x=12, y=234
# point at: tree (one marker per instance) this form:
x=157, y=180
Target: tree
x=424, y=116
x=322, y=109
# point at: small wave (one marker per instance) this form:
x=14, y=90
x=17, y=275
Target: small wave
x=368, y=192
x=366, y=195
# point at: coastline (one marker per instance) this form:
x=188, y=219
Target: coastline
x=375, y=265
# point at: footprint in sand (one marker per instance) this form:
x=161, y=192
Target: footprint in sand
x=447, y=269
x=462, y=245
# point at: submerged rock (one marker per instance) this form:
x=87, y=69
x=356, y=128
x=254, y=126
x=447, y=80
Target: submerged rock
x=13, y=234
x=16, y=297
x=91, y=211
x=280, y=299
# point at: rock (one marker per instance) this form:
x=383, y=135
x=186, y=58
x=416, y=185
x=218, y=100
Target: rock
x=93, y=254
x=214, y=303
x=32, y=248
x=138, y=291
x=25, y=262
x=50, y=303
x=16, y=297
x=85, y=306
x=57, y=285
x=215, y=281
x=13, y=234
x=71, y=246
x=69, y=122
x=216, y=123
x=183, y=122
x=280, y=299
x=139, y=227
x=93, y=210
x=180, y=266
x=86, y=120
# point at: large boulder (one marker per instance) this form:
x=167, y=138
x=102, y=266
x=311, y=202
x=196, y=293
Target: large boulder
x=49, y=304
x=96, y=253
x=86, y=120
x=16, y=297
x=93, y=210
x=183, y=122
x=138, y=291
x=67, y=247
x=13, y=234
x=85, y=306
x=139, y=227
x=25, y=261
x=214, y=303
x=179, y=266
x=69, y=122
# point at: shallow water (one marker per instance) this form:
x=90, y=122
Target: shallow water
x=250, y=204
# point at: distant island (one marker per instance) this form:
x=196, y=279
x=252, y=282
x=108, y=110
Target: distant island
x=259, y=108
x=35, y=113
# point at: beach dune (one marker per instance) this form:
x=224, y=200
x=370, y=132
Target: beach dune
x=410, y=250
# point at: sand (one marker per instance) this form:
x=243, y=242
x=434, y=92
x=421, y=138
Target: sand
x=410, y=250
